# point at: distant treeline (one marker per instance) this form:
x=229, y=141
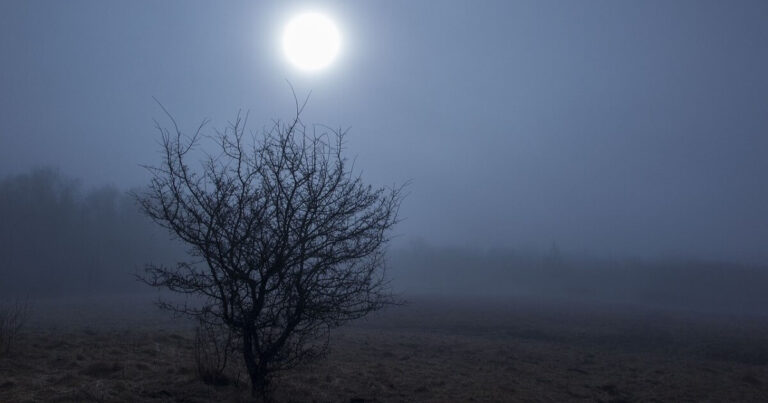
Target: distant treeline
x=58, y=238
x=690, y=284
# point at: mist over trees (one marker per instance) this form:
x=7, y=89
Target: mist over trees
x=663, y=282
x=57, y=237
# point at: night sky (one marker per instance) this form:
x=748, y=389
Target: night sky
x=616, y=128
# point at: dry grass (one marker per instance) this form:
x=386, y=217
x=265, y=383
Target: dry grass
x=428, y=351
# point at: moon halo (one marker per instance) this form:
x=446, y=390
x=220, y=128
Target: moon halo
x=311, y=41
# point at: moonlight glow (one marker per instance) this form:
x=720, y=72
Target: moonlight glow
x=311, y=41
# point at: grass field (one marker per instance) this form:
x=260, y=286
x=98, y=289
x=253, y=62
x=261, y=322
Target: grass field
x=429, y=350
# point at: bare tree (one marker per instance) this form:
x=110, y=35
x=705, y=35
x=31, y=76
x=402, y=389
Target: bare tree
x=289, y=241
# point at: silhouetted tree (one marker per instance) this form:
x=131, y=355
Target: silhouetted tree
x=289, y=240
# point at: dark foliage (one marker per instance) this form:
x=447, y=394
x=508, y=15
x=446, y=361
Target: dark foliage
x=57, y=238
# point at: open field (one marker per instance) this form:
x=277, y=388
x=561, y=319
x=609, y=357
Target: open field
x=431, y=350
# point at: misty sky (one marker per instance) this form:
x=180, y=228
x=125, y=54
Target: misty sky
x=610, y=127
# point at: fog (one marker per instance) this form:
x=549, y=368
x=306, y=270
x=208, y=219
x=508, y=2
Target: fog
x=610, y=128
x=61, y=238
x=583, y=212
x=619, y=134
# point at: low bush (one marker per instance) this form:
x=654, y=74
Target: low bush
x=13, y=317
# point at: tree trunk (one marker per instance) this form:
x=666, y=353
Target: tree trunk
x=256, y=372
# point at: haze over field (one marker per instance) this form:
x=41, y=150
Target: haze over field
x=613, y=129
x=387, y=201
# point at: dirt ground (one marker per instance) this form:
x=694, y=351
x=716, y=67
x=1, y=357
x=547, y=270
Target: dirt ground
x=121, y=349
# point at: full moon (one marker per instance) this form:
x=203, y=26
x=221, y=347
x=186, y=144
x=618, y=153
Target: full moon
x=311, y=41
